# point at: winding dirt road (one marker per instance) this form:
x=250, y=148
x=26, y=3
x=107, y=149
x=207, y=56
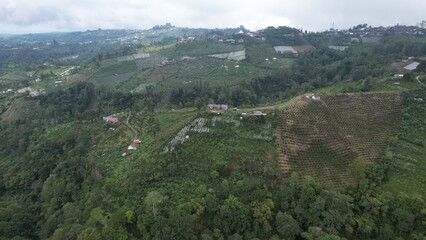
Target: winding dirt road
x=135, y=133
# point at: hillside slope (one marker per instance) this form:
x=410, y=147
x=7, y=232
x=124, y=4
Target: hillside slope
x=322, y=137
x=407, y=151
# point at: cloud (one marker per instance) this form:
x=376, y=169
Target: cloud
x=68, y=15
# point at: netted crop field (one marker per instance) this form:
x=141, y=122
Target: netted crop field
x=322, y=137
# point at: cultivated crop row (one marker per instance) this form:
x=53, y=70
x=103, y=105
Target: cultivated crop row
x=322, y=137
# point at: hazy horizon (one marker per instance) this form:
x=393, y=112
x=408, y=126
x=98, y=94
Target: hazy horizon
x=45, y=16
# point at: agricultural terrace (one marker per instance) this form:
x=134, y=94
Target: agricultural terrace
x=207, y=61
x=112, y=72
x=189, y=72
x=205, y=47
x=321, y=138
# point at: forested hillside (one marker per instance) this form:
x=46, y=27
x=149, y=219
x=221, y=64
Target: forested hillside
x=123, y=144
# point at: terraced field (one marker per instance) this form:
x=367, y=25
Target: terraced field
x=115, y=72
x=322, y=137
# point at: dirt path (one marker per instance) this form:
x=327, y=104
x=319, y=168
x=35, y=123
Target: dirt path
x=420, y=82
x=259, y=108
x=135, y=133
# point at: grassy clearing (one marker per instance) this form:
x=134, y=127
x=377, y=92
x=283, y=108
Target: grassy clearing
x=138, y=82
x=170, y=123
x=110, y=68
x=263, y=54
x=111, y=73
x=116, y=78
x=259, y=52
x=378, y=85
x=388, y=84
x=339, y=87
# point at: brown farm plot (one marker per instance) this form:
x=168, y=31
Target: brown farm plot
x=321, y=138
x=303, y=48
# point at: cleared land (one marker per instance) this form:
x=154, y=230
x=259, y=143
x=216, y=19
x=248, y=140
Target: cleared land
x=321, y=138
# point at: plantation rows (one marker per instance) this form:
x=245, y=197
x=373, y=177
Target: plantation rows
x=321, y=138
x=374, y=119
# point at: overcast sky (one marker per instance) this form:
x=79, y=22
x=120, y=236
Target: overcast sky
x=30, y=16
